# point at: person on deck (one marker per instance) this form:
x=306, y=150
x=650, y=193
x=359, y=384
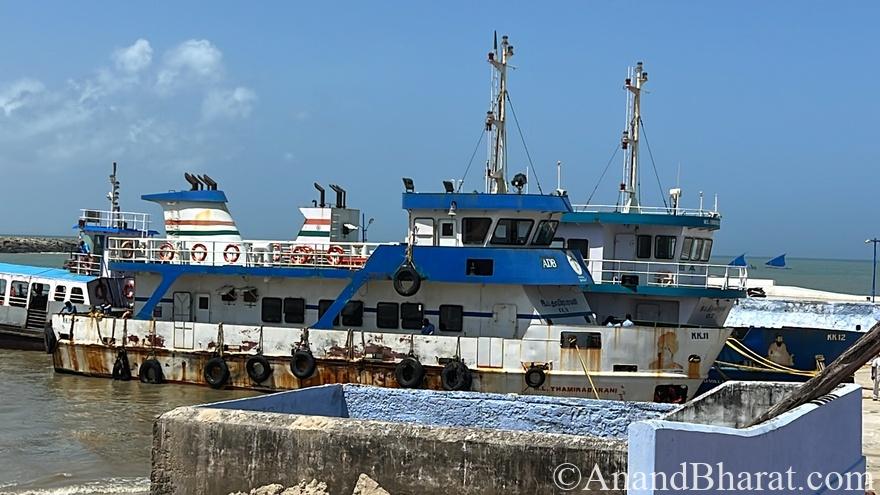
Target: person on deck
x=83, y=248
x=627, y=322
x=427, y=327
x=68, y=309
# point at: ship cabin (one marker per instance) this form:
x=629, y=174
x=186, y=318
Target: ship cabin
x=95, y=227
x=28, y=294
x=473, y=264
x=653, y=264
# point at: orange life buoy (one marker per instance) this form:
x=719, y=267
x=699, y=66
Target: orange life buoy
x=334, y=255
x=199, y=252
x=277, y=252
x=301, y=255
x=231, y=253
x=127, y=248
x=128, y=290
x=166, y=251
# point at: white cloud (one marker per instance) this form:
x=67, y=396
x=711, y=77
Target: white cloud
x=19, y=94
x=190, y=61
x=134, y=58
x=228, y=104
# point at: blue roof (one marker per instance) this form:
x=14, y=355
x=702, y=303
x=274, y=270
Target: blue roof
x=97, y=229
x=481, y=201
x=44, y=272
x=613, y=217
x=195, y=196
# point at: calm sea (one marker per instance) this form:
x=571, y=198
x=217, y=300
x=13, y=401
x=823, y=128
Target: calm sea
x=65, y=434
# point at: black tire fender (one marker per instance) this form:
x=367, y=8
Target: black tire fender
x=50, y=341
x=406, y=273
x=150, y=371
x=535, y=376
x=455, y=376
x=216, y=372
x=122, y=368
x=303, y=364
x=258, y=368
x=409, y=373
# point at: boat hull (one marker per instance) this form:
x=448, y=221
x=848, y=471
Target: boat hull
x=18, y=338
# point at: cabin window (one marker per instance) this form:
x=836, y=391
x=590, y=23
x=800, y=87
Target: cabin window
x=2, y=291
x=686, y=248
x=412, y=315
x=60, y=293
x=580, y=245
x=558, y=243
x=664, y=247
x=643, y=246
x=294, y=310
x=451, y=318
x=474, y=230
x=18, y=294
x=77, y=296
x=632, y=368
x=323, y=306
x=483, y=268
x=707, y=250
x=512, y=232
x=271, y=310
x=581, y=340
x=447, y=229
x=353, y=314
x=387, y=315
x=696, y=249
x=424, y=231
x=544, y=234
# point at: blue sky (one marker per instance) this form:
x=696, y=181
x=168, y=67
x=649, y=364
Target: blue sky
x=770, y=105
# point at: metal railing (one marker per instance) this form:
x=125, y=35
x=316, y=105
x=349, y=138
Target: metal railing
x=669, y=274
x=349, y=255
x=115, y=220
x=651, y=210
x=83, y=264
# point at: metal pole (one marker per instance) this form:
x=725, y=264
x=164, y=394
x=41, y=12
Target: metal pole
x=873, y=269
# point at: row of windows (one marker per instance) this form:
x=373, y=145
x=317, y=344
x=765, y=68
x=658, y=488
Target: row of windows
x=18, y=293
x=696, y=249
x=409, y=316
x=663, y=246
x=508, y=231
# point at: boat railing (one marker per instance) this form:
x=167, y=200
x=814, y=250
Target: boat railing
x=651, y=210
x=84, y=264
x=669, y=274
x=115, y=220
x=350, y=255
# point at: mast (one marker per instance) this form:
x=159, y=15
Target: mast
x=629, y=187
x=113, y=195
x=496, y=177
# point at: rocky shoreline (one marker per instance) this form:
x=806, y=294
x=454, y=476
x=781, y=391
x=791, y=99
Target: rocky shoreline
x=36, y=244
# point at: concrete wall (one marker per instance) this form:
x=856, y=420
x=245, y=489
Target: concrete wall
x=823, y=437
x=572, y=416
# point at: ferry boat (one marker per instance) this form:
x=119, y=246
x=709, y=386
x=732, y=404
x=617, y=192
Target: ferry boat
x=29, y=295
x=476, y=298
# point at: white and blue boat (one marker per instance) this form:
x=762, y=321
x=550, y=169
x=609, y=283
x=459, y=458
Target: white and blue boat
x=481, y=296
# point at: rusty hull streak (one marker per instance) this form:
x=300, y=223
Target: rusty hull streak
x=247, y=345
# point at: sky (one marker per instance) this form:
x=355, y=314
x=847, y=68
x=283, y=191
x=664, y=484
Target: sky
x=769, y=105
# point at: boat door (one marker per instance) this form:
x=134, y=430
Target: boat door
x=203, y=308
x=184, y=331
x=624, y=250
x=490, y=349
x=447, y=233
x=424, y=231
x=38, y=306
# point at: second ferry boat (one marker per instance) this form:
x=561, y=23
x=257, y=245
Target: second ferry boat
x=477, y=298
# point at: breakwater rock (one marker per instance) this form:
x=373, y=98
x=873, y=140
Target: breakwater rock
x=35, y=244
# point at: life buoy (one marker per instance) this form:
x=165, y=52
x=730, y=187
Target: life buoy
x=277, y=252
x=166, y=251
x=128, y=290
x=199, y=252
x=404, y=275
x=455, y=376
x=50, y=341
x=303, y=364
x=216, y=372
x=535, y=376
x=409, y=372
x=302, y=255
x=127, y=249
x=231, y=253
x=258, y=368
x=150, y=371
x=334, y=255
x=122, y=368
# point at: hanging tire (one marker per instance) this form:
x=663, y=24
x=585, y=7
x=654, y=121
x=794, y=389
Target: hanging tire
x=258, y=368
x=122, y=368
x=303, y=364
x=50, y=341
x=409, y=373
x=216, y=372
x=150, y=371
x=406, y=280
x=455, y=376
x=535, y=377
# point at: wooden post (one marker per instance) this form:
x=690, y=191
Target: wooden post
x=863, y=351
